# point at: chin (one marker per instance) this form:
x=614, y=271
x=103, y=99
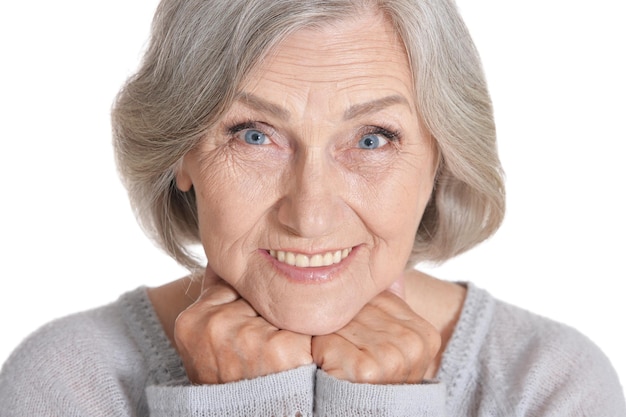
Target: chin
x=314, y=329
x=315, y=323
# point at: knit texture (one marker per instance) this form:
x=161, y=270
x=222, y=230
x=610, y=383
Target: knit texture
x=117, y=361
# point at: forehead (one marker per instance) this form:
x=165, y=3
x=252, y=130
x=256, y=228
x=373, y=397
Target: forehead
x=351, y=56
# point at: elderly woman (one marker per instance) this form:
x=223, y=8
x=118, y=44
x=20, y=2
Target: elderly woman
x=317, y=150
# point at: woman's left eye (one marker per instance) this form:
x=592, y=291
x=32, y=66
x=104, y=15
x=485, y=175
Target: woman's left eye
x=254, y=137
x=372, y=141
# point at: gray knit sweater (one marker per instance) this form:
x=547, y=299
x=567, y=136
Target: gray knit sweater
x=117, y=361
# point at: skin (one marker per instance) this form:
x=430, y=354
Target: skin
x=308, y=186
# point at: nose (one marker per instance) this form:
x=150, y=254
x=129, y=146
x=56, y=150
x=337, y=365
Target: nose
x=312, y=205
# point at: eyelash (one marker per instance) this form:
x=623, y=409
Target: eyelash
x=392, y=135
x=235, y=128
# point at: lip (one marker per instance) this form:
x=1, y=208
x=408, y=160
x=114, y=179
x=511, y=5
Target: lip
x=311, y=275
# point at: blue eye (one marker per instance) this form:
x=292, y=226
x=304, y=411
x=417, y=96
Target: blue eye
x=372, y=141
x=255, y=137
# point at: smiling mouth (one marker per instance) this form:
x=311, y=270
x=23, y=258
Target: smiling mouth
x=310, y=261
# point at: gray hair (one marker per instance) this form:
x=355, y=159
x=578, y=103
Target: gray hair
x=201, y=51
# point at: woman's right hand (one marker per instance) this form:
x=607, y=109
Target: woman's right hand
x=221, y=338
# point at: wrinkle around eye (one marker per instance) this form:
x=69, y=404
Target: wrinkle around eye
x=370, y=170
x=235, y=158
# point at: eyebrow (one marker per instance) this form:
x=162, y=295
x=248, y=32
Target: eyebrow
x=262, y=105
x=373, y=106
x=357, y=110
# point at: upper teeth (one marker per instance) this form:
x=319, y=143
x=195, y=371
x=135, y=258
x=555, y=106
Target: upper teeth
x=306, y=261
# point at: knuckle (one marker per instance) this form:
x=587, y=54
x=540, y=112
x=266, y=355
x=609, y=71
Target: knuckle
x=279, y=342
x=284, y=344
x=368, y=370
x=278, y=353
x=183, y=327
x=423, y=341
x=395, y=357
x=395, y=363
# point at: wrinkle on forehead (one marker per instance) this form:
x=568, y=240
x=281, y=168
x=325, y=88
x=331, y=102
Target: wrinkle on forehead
x=355, y=44
x=319, y=73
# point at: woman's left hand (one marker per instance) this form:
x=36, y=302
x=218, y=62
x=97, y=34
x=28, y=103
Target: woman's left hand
x=385, y=343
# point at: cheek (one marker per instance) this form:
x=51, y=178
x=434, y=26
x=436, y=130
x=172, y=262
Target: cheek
x=394, y=200
x=392, y=208
x=233, y=198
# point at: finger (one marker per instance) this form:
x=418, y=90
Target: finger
x=342, y=359
x=387, y=349
x=387, y=317
x=288, y=349
x=367, y=327
x=330, y=351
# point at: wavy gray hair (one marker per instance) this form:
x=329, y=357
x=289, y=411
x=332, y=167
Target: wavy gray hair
x=200, y=52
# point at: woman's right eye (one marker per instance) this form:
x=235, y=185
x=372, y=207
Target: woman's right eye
x=253, y=137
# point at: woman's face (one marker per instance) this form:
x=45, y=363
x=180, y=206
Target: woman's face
x=310, y=189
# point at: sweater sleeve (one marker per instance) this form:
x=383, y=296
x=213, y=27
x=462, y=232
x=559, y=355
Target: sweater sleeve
x=288, y=393
x=334, y=397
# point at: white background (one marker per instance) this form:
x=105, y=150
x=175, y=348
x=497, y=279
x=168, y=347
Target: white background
x=68, y=240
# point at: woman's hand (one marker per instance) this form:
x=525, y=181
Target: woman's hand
x=221, y=338
x=386, y=343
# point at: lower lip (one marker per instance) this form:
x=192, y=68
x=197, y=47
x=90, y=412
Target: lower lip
x=316, y=275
